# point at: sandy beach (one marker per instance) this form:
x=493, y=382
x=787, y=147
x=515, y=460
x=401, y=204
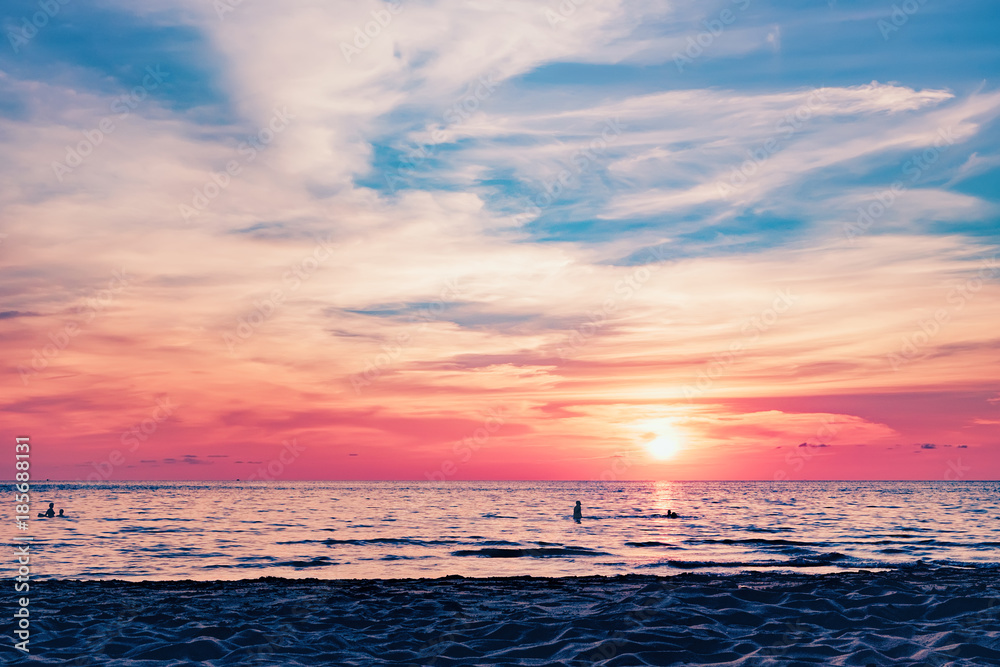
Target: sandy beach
x=917, y=616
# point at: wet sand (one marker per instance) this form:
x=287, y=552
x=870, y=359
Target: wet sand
x=915, y=616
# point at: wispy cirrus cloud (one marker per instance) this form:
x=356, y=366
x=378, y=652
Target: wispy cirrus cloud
x=647, y=252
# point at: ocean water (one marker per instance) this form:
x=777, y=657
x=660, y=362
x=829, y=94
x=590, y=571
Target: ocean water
x=341, y=530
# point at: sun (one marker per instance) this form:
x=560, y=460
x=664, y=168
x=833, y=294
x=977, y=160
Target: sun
x=663, y=446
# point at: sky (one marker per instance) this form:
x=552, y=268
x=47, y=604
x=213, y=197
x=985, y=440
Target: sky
x=441, y=240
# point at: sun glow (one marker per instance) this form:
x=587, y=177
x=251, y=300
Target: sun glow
x=664, y=446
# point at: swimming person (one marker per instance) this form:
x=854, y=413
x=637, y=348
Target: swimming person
x=50, y=512
x=577, y=512
x=671, y=514
x=61, y=515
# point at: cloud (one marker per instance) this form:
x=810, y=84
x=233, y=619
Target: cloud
x=973, y=166
x=539, y=167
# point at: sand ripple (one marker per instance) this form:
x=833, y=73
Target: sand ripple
x=914, y=617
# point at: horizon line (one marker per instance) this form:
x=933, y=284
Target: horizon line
x=450, y=481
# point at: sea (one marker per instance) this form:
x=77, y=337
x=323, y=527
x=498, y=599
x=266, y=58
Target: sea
x=389, y=530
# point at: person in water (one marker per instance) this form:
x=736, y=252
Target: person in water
x=50, y=512
x=61, y=515
x=577, y=512
x=671, y=514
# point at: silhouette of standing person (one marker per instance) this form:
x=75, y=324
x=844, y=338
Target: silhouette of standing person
x=50, y=512
x=577, y=512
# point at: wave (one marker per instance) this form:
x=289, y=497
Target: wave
x=778, y=529
x=822, y=560
x=832, y=559
x=934, y=543
x=542, y=552
x=319, y=561
x=406, y=541
x=150, y=530
x=973, y=565
x=758, y=541
x=413, y=542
